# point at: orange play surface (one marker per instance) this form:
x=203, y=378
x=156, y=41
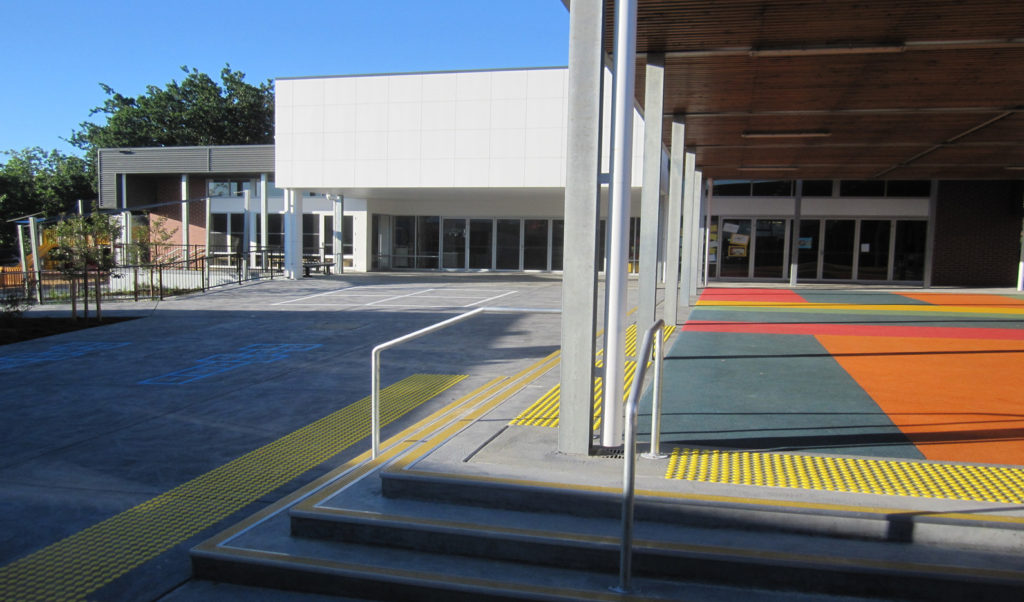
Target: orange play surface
x=956, y=399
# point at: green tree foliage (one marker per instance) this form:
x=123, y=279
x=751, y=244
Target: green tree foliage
x=33, y=181
x=195, y=112
x=83, y=243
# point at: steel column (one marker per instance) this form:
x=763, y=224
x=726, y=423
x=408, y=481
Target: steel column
x=794, y=252
x=616, y=278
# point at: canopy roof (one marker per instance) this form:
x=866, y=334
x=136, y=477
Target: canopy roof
x=848, y=89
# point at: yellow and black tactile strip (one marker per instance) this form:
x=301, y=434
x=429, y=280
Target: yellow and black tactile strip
x=980, y=483
x=80, y=564
x=544, y=411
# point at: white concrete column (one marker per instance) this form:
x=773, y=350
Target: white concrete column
x=650, y=196
x=582, y=196
x=616, y=276
x=709, y=197
x=929, y=240
x=184, y=212
x=339, y=234
x=293, y=234
x=689, y=231
x=264, y=212
x=246, y=232
x=124, y=191
x=697, y=231
x=37, y=262
x=673, y=224
x=794, y=251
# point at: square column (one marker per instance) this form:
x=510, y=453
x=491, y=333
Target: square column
x=689, y=228
x=293, y=234
x=650, y=197
x=673, y=225
x=339, y=234
x=696, y=228
x=184, y=212
x=582, y=194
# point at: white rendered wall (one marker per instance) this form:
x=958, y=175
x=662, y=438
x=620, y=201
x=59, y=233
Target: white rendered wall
x=479, y=129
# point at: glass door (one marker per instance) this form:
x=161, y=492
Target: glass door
x=807, y=249
x=873, y=250
x=453, y=244
x=535, y=244
x=480, y=244
x=507, y=257
x=908, y=250
x=770, y=248
x=735, y=248
x=838, y=256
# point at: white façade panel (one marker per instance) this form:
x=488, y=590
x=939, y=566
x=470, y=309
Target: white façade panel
x=547, y=83
x=508, y=84
x=404, y=144
x=544, y=112
x=438, y=115
x=372, y=89
x=340, y=90
x=471, y=144
x=508, y=113
x=471, y=173
x=439, y=144
x=370, y=173
x=339, y=174
x=508, y=143
x=439, y=87
x=472, y=115
x=307, y=119
x=543, y=172
x=339, y=146
x=544, y=142
x=371, y=117
x=406, y=116
x=371, y=145
x=474, y=85
x=405, y=88
x=509, y=172
x=403, y=173
x=437, y=173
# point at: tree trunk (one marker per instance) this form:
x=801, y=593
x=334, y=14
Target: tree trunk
x=85, y=294
x=74, y=297
x=99, y=295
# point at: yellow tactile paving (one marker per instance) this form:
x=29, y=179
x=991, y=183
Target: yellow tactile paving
x=544, y=411
x=80, y=564
x=1000, y=484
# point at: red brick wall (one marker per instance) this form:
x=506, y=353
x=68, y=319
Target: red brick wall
x=977, y=234
x=168, y=189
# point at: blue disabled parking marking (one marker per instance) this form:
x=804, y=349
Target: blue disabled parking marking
x=56, y=353
x=257, y=353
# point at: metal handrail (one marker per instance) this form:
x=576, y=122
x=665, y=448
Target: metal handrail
x=629, y=447
x=375, y=358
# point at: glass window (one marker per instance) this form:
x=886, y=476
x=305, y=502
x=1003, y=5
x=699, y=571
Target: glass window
x=237, y=234
x=275, y=230
x=328, y=235
x=908, y=254
x=428, y=242
x=346, y=234
x=862, y=188
x=535, y=244
x=773, y=188
x=508, y=244
x=908, y=188
x=873, y=252
x=480, y=234
x=838, y=257
x=453, y=245
x=557, y=243
x=219, y=232
x=228, y=187
x=403, y=241
x=735, y=261
x=310, y=234
x=769, y=248
x=807, y=249
x=817, y=188
x=731, y=188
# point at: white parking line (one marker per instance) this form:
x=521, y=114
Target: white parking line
x=401, y=296
x=490, y=299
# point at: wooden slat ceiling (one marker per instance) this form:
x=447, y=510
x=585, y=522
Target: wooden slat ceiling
x=894, y=89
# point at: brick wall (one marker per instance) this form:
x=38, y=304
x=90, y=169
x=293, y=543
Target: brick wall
x=977, y=233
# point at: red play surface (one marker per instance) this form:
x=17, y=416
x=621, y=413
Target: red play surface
x=864, y=330
x=770, y=295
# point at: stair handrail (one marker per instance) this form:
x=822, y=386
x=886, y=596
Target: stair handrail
x=629, y=446
x=375, y=358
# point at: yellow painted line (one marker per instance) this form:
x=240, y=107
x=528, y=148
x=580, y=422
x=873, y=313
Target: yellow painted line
x=979, y=483
x=80, y=564
x=966, y=309
x=544, y=411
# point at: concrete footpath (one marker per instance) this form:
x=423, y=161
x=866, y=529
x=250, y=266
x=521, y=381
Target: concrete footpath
x=97, y=423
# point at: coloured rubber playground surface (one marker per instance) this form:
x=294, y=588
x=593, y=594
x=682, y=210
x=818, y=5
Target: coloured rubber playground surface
x=910, y=375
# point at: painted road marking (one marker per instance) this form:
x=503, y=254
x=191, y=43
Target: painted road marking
x=78, y=565
x=258, y=353
x=57, y=353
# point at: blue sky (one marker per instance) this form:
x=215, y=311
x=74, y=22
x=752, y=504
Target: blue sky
x=54, y=53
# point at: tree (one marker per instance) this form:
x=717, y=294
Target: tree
x=83, y=242
x=36, y=181
x=196, y=112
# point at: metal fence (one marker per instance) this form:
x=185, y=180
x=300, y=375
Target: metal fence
x=152, y=273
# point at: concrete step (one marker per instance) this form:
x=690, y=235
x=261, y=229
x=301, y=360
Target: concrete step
x=266, y=554
x=980, y=529
x=562, y=537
